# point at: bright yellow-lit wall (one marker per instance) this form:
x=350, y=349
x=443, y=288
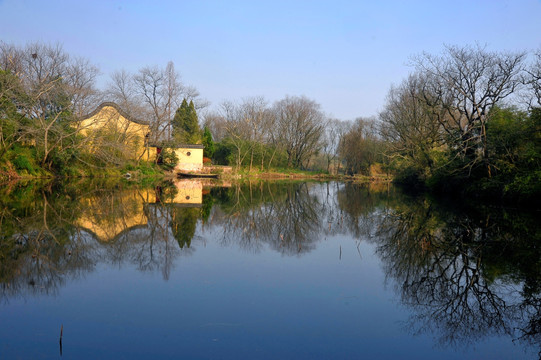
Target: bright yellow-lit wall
x=107, y=124
x=189, y=159
x=151, y=154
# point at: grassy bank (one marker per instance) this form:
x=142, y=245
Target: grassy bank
x=281, y=173
x=13, y=170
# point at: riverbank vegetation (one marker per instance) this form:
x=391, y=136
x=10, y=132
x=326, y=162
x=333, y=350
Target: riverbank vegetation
x=466, y=121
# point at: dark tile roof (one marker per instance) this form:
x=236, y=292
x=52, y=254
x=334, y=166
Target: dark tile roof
x=178, y=146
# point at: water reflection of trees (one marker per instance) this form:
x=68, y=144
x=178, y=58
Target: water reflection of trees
x=37, y=245
x=360, y=206
x=292, y=217
x=52, y=233
x=285, y=216
x=466, y=276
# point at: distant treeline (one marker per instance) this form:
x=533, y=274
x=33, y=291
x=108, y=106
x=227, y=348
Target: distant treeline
x=465, y=120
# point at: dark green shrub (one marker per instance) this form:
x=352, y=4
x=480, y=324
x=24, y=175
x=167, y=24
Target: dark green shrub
x=21, y=162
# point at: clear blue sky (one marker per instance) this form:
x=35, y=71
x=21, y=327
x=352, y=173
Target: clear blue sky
x=343, y=54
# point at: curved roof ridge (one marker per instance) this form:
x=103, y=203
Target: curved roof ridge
x=114, y=238
x=117, y=108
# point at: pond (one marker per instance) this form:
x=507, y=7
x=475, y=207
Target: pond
x=290, y=270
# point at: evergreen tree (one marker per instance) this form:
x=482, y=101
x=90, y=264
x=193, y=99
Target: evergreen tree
x=208, y=151
x=191, y=126
x=186, y=124
x=178, y=120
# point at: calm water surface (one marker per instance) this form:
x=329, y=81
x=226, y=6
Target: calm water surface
x=263, y=270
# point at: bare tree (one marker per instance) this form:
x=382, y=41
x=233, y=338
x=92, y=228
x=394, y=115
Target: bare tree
x=157, y=91
x=247, y=126
x=11, y=58
x=121, y=90
x=359, y=146
x=216, y=123
x=237, y=130
x=300, y=125
x=410, y=126
x=80, y=81
x=467, y=82
x=259, y=119
x=12, y=98
x=153, y=94
x=533, y=79
x=333, y=135
x=57, y=89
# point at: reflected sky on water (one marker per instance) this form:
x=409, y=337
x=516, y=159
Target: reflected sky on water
x=198, y=269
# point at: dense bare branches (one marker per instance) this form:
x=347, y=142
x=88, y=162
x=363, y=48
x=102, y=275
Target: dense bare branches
x=11, y=58
x=80, y=81
x=257, y=133
x=359, y=146
x=216, y=123
x=533, y=80
x=411, y=127
x=12, y=98
x=332, y=138
x=121, y=91
x=57, y=89
x=300, y=125
x=467, y=82
x=246, y=124
x=157, y=89
x=152, y=94
x=260, y=121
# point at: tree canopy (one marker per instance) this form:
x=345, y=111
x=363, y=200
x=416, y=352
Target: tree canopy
x=186, y=124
